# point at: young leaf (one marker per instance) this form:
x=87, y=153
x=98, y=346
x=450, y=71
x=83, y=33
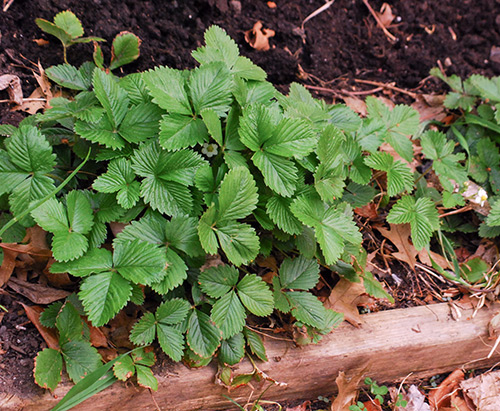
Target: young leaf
x=48, y=368
x=291, y=138
x=112, y=97
x=232, y=350
x=255, y=295
x=203, y=335
x=124, y=50
x=300, y=273
x=237, y=195
x=422, y=216
x=80, y=358
x=67, y=21
x=399, y=175
x=218, y=281
x=206, y=231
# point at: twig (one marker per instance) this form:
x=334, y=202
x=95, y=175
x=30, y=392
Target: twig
x=387, y=86
x=7, y=4
x=459, y=211
x=24, y=100
x=390, y=36
x=316, y=12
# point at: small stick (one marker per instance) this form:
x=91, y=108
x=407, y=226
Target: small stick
x=24, y=100
x=7, y=4
x=316, y=12
x=460, y=210
x=388, y=86
x=390, y=36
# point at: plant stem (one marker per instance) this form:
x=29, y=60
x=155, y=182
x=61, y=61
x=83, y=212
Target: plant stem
x=44, y=199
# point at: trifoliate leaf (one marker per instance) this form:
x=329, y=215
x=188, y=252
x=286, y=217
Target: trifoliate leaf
x=218, y=281
x=239, y=241
x=219, y=47
x=124, y=50
x=422, y=216
x=104, y=295
x=301, y=273
x=139, y=262
x=80, y=358
x=97, y=260
x=278, y=209
x=210, y=87
x=255, y=295
x=143, y=332
x=124, y=368
x=232, y=349
x=178, y=131
x=399, y=175
x=167, y=86
x=119, y=178
x=171, y=341
x=307, y=309
x=111, y=96
x=237, y=195
x=493, y=218
x=48, y=368
x=228, y=314
x=141, y=123
x=203, y=336
x=255, y=344
x=280, y=174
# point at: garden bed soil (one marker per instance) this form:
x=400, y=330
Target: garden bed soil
x=339, y=45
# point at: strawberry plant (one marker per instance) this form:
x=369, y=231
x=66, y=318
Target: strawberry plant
x=169, y=168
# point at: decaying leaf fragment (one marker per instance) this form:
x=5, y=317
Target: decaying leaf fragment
x=348, y=390
x=441, y=397
x=386, y=15
x=399, y=235
x=13, y=85
x=258, y=37
x=483, y=390
x=345, y=298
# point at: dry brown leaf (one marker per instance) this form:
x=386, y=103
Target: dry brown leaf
x=302, y=407
x=271, y=4
x=423, y=256
x=49, y=335
x=399, y=235
x=258, y=37
x=41, y=42
x=440, y=397
x=97, y=337
x=483, y=390
x=345, y=298
x=348, y=390
x=37, y=293
x=34, y=103
x=356, y=104
x=8, y=265
x=385, y=15
x=13, y=85
x=415, y=399
x=427, y=107
x=368, y=211
x=44, y=83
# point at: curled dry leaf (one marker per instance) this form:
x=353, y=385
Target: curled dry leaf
x=33, y=104
x=37, y=293
x=13, y=85
x=258, y=37
x=385, y=15
x=440, y=397
x=348, y=390
x=483, y=390
x=97, y=337
x=345, y=298
x=49, y=335
x=399, y=235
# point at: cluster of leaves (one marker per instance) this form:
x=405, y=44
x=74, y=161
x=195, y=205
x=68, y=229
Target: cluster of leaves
x=286, y=175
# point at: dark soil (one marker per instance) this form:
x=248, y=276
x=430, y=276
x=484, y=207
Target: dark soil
x=339, y=45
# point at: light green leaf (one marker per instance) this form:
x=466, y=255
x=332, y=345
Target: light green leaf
x=96, y=260
x=206, y=231
x=112, y=97
x=218, y=281
x=80, y=214
x=203, y=336
x=54, y=30
x=48, y=368
x=145, y=377
x=374, y=288
x=301, y=273
x=179, y=131
x=307, y=308
x=68, y=245
x=67, y=21
x=171, y=341
x=292, y=138
x=103, y=296
x=141, y=123
x=280, y=174
x=232, y=350
x=51, y=216
x=493, y=218
x=399, y=176
x=256, y=295
x=124, y=368
x=124, y=50
x=213, y=124
x=237, y=195
x=67, y=76
x=256, y=126
x=239, y=242
x=31, y=189
x=255, y=343
x=246, y=69
x=143, y=332
x=179, y=166
x=80, y=358
x=139, y=262
x=219, y=47
x=278, y=208
x=228, y=314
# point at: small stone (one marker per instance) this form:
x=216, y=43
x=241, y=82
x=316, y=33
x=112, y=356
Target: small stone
x=235, y=6
x=447, y=62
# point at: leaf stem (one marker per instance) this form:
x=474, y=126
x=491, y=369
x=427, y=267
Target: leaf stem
x=44, y=199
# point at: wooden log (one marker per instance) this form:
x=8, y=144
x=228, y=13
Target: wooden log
x=392, y=344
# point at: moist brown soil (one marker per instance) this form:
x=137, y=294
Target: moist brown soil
x=339, y=45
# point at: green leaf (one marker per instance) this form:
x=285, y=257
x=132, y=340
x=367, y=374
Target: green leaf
x=213, y=124
x=167, y=197
x=145, y=377
x=96, y=260
x=179, y=131
x=237, y=195
x=80, y=358
x=399, y=176
x=31, y=189
x=300, y=273
x=358, y=195
x=174, y=274
x=232, y=349
x=203, y=336
x=307, y=309
x=280, y=299
x=239, y=242
x=168, y=88
x=104, y=295
x=102, y=132
x=69, y=324
x=374, y=288
x=493, y=218
x=48, y=368
x=49, y=316
x=278, y=208
x=246, y=69
x=256, y=126
x=80, y=214
x=142, y=357
x=67, y=76
x=54, y=30
x=228, y=314
x=139, y=262
x=112, y=97
x=124, y=368
x=68, y=245
x=171, y=341
x=280, y=174
x=173, y=311
x=141, y=123
x=219, y=47
x=181, y=233
x=218, y=281
x=292, y=138
x=422, y=216
x=51, y=216
x=255, y=343
x=210, y=87
x=143, y=332
x=206, y=231
x=256, y=295
x=125, y=49
x=67, y=21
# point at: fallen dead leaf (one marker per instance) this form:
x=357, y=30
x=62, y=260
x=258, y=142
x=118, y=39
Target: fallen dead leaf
x=8, y=265
x=34, y=103
x=425, y=258
x=41, y=42
x=302, y=407
x=372, y=405
x=428, y=107
x=49, y=335
x=399, y=235
x=97, y=337
x=483, y=390
x=345, y=298
x=37, y=293
x=13, y=85
x=368, y=211
x=258, y=37
x=385, y=15
x=108, y=354
x=348, y=390
x=440, y=397
x=271, y=4
x=356, y=104
x=43, y=82
x=415, y=399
